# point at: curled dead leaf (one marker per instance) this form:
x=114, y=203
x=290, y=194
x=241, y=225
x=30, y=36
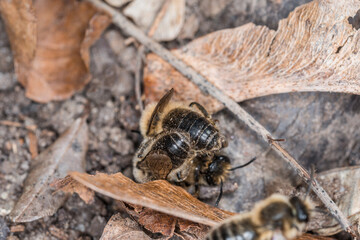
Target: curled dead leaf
x=50, y=41
x=314, y=49
x=158, y=195
x=66, y=154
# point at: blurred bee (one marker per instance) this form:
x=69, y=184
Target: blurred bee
x=192, y=119
x=211, y=171
x=277, y=217
x=167, y=155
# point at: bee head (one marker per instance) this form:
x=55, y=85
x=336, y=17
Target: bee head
x=301, y=210
x=217, y=169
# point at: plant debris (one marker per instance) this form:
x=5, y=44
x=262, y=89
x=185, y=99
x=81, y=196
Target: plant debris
x=50, y=50
x=64, y=155
x=252, y=61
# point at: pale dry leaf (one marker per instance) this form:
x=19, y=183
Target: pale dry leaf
x=343, y=185
x=66, y=154
x=50, y=41
x=158, y=195
x=314, y=49
x=69, y=185
x=119, y=228
x=145, y=13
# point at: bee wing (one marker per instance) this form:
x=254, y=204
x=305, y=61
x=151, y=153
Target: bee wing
x=155, y=116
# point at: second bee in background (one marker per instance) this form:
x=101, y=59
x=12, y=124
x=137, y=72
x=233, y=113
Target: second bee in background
x=277, y=217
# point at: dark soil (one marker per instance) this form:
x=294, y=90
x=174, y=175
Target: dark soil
x=114, y=113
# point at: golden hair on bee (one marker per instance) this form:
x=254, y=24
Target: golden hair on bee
x=277, y=215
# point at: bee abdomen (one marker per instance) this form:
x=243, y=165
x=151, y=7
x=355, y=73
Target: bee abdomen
x=243, y=230
x=176, y=145
x=202, y=132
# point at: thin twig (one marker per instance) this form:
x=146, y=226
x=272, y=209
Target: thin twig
x=139, y=76
x=208, y=88
x=141, y=54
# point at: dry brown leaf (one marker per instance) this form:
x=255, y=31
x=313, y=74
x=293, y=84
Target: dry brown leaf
x=33, y=144
x=50, y=41
x=64, y=155
x=157, y=222
x=307, y=236
x=190, y=230
x=158, y=195
x=145, y=14
x=69, y=185
x=314, y=49
x=343, y=185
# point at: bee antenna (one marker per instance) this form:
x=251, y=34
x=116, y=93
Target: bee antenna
x=220, y=194
x=244, y=165
x=312, y=173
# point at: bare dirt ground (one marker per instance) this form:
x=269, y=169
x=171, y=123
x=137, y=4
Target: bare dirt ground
x=114, y=113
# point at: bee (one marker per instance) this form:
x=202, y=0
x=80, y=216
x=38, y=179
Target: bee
x=211, y=171
x=167, y=155
x=276, y=217
x=193, y=119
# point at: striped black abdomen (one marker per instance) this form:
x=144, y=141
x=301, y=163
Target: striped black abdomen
x=202, y=132
x=239, y=230
x=175, y=145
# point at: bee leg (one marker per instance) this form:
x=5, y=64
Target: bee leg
x=220, y=194
x=201, y=108
x=196, y=180
x=159, y=109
